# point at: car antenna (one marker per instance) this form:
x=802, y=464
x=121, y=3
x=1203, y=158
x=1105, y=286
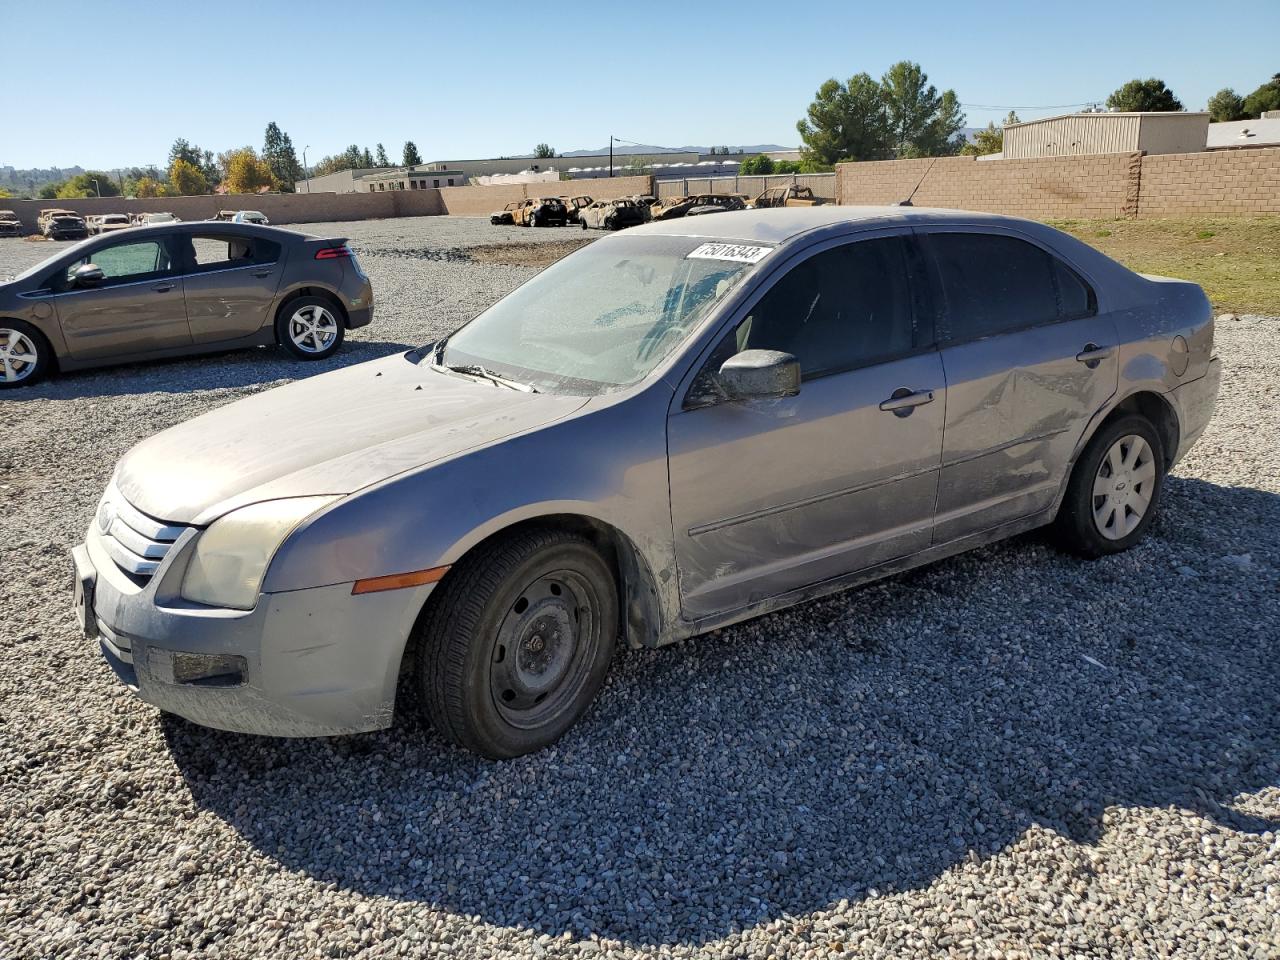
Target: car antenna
x=907, y=202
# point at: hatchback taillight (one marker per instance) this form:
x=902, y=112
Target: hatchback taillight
x=333, y=253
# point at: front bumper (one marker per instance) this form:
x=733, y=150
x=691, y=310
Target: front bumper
x=316, y=662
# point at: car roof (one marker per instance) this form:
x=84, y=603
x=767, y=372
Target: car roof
x=778, y=225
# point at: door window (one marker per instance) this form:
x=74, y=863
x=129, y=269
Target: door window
x=993, y=284
x=127, y=262
x=847, y=307
x=222, y=252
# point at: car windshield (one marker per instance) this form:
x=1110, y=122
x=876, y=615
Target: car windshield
x=603, y=317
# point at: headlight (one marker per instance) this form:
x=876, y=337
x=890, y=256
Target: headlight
x=231, y=557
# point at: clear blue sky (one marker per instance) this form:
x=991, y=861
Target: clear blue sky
x=479, y=79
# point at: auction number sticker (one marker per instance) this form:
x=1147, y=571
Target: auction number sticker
x=737, y=252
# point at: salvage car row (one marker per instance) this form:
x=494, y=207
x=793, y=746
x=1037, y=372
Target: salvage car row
x=55, y=223
x=621, y=212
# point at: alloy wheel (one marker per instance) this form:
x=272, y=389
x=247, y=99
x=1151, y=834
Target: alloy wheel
x=313, y=328
x=18, y=355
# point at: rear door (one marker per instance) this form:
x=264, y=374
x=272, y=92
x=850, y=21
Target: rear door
x=1028, y=361
x=137, y=308
x=231, y=281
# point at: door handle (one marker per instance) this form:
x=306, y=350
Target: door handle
x=905, y=400
x=1092, y=354
x=261, y=273
x=162, y=287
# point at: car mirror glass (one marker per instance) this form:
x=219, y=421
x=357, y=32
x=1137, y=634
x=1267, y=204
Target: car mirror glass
x=87, y=275
x=759, y=374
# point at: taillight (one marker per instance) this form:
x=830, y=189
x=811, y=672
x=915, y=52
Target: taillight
x=334, y=253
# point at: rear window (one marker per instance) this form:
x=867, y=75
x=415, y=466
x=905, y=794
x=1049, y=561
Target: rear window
x=993, y=284
x=223, y=251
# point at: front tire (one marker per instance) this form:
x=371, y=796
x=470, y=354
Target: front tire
x=25, y=355
x=310, y=328
x=518, y=644
x=1114, y=490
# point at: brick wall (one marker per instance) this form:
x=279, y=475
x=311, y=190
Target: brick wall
x=1103, y=186
x=482, y=201
x=1216, y=183
x=279, y=208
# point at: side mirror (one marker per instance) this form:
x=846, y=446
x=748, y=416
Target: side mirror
x=760, y=374
x=87, y=275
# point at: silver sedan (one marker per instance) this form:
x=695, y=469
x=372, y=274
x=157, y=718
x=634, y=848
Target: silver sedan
x=671, y=430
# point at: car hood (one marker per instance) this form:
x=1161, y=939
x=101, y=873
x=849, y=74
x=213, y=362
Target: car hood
x=330, y=434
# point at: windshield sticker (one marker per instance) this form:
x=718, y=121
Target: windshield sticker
x=738, y=252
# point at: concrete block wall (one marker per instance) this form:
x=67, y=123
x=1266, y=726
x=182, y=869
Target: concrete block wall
x=1093, y=186
x=1103, y=186
x=278, y=207
x=1214, y=183
x=482, y=201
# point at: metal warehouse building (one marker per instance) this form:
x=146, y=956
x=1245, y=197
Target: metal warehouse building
x=1084, y=133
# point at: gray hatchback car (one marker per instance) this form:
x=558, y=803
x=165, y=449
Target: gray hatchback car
x=178, y=289
x=671, y=430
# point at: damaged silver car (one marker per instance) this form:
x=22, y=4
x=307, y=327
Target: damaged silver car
x=673, y=429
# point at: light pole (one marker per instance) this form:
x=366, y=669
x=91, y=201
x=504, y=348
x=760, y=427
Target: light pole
x=96, y=188
x=611, y=154
x=305, y=172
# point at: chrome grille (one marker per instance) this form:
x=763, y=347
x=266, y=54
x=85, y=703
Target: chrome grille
x=137, y=543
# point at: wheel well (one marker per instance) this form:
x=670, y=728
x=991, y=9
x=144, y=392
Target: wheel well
x=55, y=365
x=323, y=294
x=1155, y=409
x=637, y=593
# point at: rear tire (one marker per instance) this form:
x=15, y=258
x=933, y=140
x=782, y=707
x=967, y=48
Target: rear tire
x=1114, y=490
x=25, y=354
x=516, y=646
x=310, y=328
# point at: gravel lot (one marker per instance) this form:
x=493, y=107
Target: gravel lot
x=1011, y=753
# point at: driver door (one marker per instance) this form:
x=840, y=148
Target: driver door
x=138, y=307
x=771, y=495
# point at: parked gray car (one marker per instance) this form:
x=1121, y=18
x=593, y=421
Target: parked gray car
x=178, y=289
x=673, y=429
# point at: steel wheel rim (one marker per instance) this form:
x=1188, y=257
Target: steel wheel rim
x=1122, y=487
x=18, y=355
x=312, y=328
x=541, y=657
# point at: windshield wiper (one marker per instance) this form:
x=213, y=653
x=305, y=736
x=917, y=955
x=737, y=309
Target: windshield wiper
x=475, y=370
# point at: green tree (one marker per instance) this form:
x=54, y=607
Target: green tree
x=247, y=172
x=986, y=141
x=380, y=156
x=279, y=155
x=1226, y=105
x=1144, y=96
x=91, y=183
x=410, y=157
x=1266, y=97
x=203, y=159
x=922, y=122
x=366, y=159
x=49, y=191
x=846, y=121
x=543, y=151
x=759, y=165
x=187, y=179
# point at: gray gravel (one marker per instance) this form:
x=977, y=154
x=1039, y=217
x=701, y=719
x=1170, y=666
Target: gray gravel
x=1011, y=753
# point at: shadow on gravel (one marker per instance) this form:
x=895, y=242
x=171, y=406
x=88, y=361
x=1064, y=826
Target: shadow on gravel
x=216, y=371
x=855, y=745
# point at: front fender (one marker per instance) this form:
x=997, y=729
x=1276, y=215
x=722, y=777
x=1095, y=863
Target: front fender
x=607, y=464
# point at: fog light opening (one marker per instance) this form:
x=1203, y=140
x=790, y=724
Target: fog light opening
x=205, y=670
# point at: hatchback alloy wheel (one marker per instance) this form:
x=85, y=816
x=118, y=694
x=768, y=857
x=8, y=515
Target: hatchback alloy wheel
x=312, y=328
x=19, y=356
